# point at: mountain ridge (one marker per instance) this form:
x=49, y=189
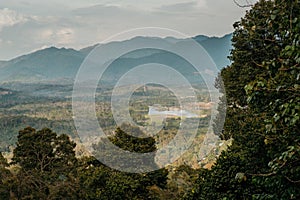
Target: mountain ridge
x=63, y=63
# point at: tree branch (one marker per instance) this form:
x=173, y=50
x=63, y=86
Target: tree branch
x=243, y=6
x=290, y=180
x=263, y=175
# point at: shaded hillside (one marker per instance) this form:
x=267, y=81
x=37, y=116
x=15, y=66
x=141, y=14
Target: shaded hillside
x=46, y=64
x=61, y=65
x=218, y=49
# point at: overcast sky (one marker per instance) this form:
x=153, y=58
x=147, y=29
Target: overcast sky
x=29, y=25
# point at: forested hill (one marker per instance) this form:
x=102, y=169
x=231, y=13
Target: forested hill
x=52, y=64
x=260, y=103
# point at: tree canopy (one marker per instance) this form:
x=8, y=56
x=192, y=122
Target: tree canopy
x=263, y=106
x=44, y=166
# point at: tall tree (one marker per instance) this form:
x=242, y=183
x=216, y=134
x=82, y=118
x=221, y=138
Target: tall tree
x=263, y=106
x=47, y=165
x=100, y=181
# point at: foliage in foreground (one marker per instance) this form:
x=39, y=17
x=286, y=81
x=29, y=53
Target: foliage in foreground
x=44, y=166
x=263, y=106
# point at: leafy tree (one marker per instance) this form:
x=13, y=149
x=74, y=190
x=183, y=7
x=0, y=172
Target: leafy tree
x=47, y=165
x=100, y=181
x=181, y=180
x=43, y=150
x=140, y=144
x=263, y=106
x=3, y=161
x=4, y=177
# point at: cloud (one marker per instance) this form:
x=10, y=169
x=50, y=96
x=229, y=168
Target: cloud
x=10, y=17
x=46, y=34
x=30, y=24
x=65, y=36
x=183, y=7
x=105, y=10
x=60, y=36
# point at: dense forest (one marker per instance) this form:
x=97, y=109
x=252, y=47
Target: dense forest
x=262, y=106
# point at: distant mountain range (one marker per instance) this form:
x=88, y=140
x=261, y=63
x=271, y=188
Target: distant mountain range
x=61, y=64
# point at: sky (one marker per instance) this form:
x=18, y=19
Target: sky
x=30, y=25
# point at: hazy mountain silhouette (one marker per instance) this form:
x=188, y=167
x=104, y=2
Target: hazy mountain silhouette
x=53, y=63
